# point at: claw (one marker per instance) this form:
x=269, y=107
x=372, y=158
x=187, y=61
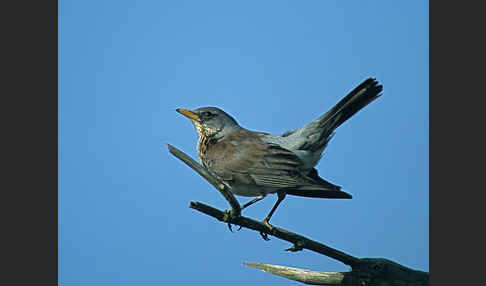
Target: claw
x=264, y=236
x=227, y=218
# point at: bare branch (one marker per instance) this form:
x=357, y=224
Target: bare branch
x=299, y=242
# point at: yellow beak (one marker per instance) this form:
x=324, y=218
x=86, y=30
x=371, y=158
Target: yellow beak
x=187, y=113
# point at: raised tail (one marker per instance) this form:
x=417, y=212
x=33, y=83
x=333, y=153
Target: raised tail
x=325, y=125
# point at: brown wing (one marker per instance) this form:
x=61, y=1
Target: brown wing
x=243, y=155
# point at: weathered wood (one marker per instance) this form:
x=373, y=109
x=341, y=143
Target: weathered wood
x=371, y=272
x=301, y=275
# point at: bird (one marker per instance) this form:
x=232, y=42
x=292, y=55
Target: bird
x=255, y=164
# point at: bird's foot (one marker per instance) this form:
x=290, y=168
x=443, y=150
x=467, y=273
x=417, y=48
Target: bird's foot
x=229, y=226
x=270, y=227
x=264, y=236
x=228, y=215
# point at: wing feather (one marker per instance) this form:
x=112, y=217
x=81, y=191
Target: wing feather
x=245, y=156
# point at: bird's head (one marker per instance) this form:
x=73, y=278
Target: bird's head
x=210, y=121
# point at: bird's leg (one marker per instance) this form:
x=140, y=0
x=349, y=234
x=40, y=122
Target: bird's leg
x=266, y=221
x=258, y=198
x=281, y=197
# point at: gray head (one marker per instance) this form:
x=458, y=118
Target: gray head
x=210, y=121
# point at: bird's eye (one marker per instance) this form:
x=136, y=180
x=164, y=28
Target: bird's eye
x=207, y=114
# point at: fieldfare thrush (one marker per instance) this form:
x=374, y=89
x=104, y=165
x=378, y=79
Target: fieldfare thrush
x=255, y=164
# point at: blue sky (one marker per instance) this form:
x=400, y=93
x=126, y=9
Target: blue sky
x=125, y=66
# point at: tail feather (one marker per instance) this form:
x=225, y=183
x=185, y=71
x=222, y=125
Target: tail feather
x=362, y=95
x=358, y=98
x=321, y=189
x=315, y=192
